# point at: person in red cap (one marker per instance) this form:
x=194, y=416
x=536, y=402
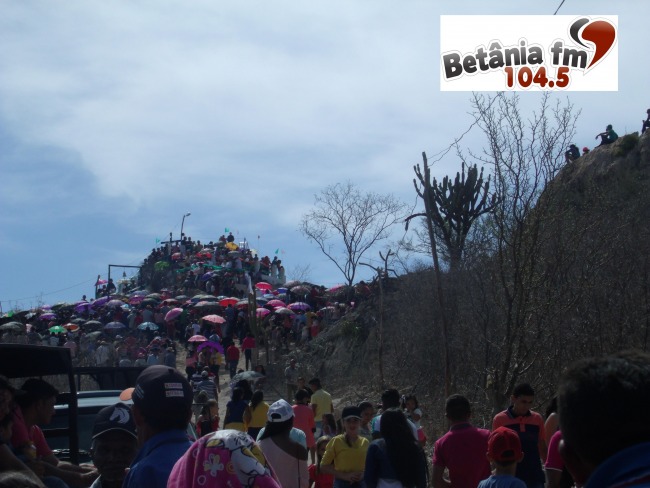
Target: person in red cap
x=504, y=452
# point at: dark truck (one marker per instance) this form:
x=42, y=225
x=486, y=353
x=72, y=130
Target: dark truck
x=69, y=434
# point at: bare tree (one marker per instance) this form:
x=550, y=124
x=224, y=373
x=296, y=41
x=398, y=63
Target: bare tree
x=525, y=154
x=300, y=272
x=345, y=223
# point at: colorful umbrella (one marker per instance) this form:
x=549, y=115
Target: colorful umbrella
x=214, y=319
x=114, y=303
x=298, y=306
x=211, y=345
x=100, y=302
x=276, y=303
x=241, y=304
x=47, y=316
x=136, y=300
x=197, y=338
x=173, y=313
x=263, y=285
x=82, y=307
x=57, y=329
x=71, y=327
x=262, y=312
x=228, y=301
x=139, y=293
x=148, y=326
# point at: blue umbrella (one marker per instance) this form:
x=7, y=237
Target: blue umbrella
x=148, y=326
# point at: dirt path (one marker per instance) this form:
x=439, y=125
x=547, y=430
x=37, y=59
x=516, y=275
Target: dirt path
x=271, y=393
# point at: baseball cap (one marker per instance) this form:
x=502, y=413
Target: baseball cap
x=351, y=412
x=504, y=445
x=114, y=417
x=160, y=391
x=279, y=411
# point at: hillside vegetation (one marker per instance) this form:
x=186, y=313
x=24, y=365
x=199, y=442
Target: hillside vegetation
x=575, y=284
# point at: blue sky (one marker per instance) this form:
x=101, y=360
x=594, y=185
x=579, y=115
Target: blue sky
x=116, y=118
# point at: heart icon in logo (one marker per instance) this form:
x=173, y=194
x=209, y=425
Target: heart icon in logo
x=599, y=32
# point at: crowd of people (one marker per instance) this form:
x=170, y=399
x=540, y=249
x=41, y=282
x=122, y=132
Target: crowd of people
x=281, y=444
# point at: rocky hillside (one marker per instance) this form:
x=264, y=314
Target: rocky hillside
x=588, y=293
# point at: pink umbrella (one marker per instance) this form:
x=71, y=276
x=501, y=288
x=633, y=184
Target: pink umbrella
x=263, y=285
x=298, y=306
x=135, y=300
x=335, y=288
x=276, y=303
x=173, y=313
x=214, y=319
x=262, y=312
x=197, y=338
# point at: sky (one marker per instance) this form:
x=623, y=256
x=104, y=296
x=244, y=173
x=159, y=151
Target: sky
x=117, y=118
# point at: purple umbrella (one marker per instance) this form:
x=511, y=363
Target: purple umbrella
x=298, y=306
x=173, y=313
x=100, y=301
x=135, y=300
x=47, y=316
x=82, y=307
x=114, y=303
x=211, y=345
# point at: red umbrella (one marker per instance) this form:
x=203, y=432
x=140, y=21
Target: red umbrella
x=197, y=338
x=228, y=301
x=214, y=319
x=71, y=327
x=263, y=285
x=173, y=313
x=276, y=303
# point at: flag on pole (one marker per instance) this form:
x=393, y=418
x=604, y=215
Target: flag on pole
x=226, y=229
x=157, y=241
x=277, y=250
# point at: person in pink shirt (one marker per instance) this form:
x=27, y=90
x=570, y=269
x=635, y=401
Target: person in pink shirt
x=462, y=450
x=304, y=420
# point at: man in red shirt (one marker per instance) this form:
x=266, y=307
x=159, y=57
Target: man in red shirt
x=232, y=356
x=461, y=450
